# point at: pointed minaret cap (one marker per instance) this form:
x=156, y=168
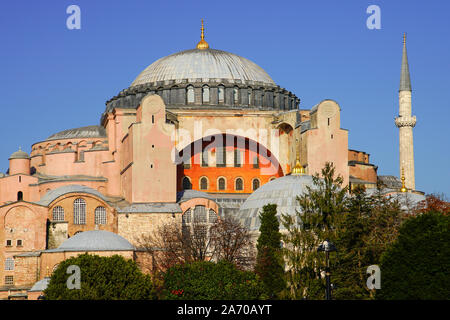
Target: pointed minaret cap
x=202, y=45
x=405, y=81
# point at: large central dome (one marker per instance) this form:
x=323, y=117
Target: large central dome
x=203, y=64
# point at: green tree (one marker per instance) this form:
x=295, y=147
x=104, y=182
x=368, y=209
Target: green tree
x=269, y=263
x=204, y=280
x=321, y=207
x=417, y=264
x=102, y=278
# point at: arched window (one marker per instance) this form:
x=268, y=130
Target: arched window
x=187, y=217
x=200, y=214
x=19, y=196
x=235, y=95
x=205, y=91
x=190, y=94
x=58, y=213
x=249, y=96
x=100, y=215
x=205, y=158
x=255, y=184
x=9, y=264
x=221, y=157
x=79, y=211
x=221, y=183
x=212, y=216
x=256, y=162
x=187, y=185
x=237, y=158
x=239, y=184
x=204, y=183
x=221, y=94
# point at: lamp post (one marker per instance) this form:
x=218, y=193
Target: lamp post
x=327, y=246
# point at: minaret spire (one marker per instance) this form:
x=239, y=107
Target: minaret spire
x=405, y=123
x=405, y=80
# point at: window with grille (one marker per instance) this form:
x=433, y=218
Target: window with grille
x=237, y=158
x=239, y=184
x=9, y=264
x=187, y=217
x=255, y=184
x=19, y=243
x=221, y=157
x=204, y=183
x=9, y=280
x=204, y=158
x=58, y=213
x=222, y=184
x=100, y=215
x=200, y=214
x=212, y=217
x=256, y=162
x=8, y=243
x=79, y=211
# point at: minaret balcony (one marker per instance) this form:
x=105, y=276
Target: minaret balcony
x=405, y=121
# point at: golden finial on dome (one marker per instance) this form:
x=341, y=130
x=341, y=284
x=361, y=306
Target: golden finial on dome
x=298, y=168
x=403, y=189
x=202, y=45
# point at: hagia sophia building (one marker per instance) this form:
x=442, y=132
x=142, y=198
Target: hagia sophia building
x=199, y=134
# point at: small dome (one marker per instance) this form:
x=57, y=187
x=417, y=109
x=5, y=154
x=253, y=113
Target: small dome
x=96, y=240
x=203, y=64
x=282, y=191
x=19, y=155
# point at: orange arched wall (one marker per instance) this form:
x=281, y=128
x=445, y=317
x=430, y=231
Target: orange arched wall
x=268, y=168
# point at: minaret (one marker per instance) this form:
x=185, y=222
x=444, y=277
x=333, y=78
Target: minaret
x=405, y=123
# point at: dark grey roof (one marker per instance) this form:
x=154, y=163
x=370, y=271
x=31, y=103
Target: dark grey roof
x=95, y=240
x=19, y=155
x=41, y=285
x=153, y=207
x=390, y=182
x=405, y=81
x=186, y=195
x=29, y=254
x=83, y=132
x=50, y=196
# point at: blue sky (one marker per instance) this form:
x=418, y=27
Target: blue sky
x=53, y=78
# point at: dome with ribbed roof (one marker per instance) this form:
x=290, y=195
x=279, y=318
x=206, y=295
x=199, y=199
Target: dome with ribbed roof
x=282, y=191
x=204, y=64
x=95, y=240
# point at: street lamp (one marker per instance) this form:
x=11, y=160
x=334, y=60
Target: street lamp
x=327, y=246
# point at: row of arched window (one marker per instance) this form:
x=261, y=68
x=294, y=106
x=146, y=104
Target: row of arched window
x=221, y=183
x=79, y=213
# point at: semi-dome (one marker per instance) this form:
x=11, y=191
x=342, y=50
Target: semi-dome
x=204, y=64
x=282, y=191
x=96, y=240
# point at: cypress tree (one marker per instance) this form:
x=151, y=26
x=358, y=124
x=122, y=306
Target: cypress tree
x=269, y=264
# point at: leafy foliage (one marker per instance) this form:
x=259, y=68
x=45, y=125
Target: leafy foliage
x=102, y=278
x=269, y=264
x=204, y=280
x=417, y=264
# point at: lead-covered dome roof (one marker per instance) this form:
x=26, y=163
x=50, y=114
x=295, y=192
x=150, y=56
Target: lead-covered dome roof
x=204, y=64
x=282, y=191
x=95, y=240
